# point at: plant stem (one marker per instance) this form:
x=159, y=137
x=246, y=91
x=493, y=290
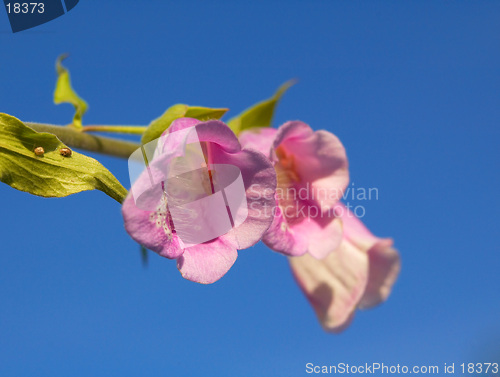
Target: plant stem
x=134, y=130
x=78, y=139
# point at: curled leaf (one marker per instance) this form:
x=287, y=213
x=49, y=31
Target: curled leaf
x=39, y=163
x=157, y=126
x=261, y=114
x=64, y=92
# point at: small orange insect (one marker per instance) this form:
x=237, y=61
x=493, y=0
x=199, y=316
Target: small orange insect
x=39, y=151
x=65, y=152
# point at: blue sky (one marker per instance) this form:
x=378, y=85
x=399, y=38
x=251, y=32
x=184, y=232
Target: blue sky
x=412, y=90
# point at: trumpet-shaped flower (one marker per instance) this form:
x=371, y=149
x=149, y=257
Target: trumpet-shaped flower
x=201, y=199
x=360, y=273
x=312, y=171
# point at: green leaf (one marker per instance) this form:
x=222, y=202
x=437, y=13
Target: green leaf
x=261, y=114
x=204, y=113
x=157, y=126
x=144, y=255
x=64, y=92
x=49, y=174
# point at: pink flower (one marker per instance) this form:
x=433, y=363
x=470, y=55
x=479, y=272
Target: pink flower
x=157, y=215
x=360, y=274
x=312, y=171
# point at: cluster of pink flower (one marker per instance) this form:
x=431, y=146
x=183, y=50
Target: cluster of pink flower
x=337, y=262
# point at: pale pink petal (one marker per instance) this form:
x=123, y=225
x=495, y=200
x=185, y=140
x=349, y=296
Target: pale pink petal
x=324, y=235
x=281, y=238
x=172, y=141
x=292, y=130
x=320, y=160
x=384, y=260
x=207, y=262
x=142, y=226
x=384, y=269
x=333, y=285
x=259, y=139
x=354, y=229
x=181, y=124
x=184, y=131
x=215, y=131
x=299, y=228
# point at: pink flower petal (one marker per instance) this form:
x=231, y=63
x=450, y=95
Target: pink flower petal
x=214, y=131
x=292, y=130
x=207, y=262
x=146, y=228
x=310, y=162
x=181, y=124
x=320, y=160
x=259, y=139
x=384, y=260
x=358, y=274
x=316, y=233
x=333, y=285
x=324, y=235
x=282, y=239
x=219, y=197
x=259, y=180
x=384, y=269
x=354, y=229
